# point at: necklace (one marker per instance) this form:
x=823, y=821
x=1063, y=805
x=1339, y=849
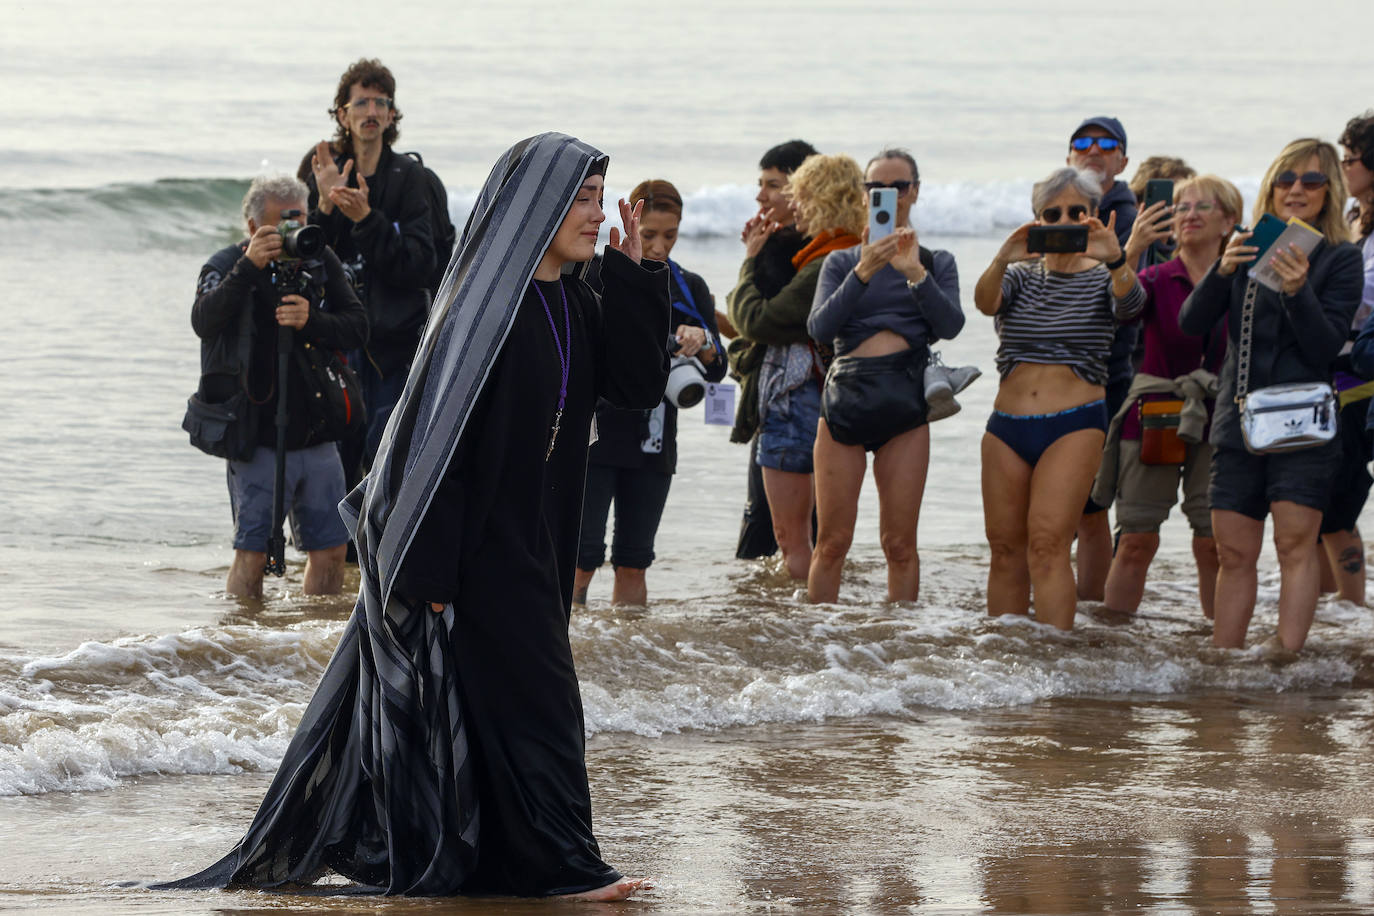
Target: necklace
x=564, y=348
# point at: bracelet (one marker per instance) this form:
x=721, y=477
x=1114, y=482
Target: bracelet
x=1113, y=265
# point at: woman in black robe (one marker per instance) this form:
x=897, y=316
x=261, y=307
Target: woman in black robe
x=443, y=751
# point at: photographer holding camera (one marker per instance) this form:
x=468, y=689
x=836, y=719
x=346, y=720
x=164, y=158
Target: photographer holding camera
x=634, y=457
x=238, y=309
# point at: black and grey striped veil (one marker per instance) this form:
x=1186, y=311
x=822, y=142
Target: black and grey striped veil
x=377, y=782
x=511, y=225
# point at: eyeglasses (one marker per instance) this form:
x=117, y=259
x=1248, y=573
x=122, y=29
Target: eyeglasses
x=1312, y=181
x=1106, y=144
x=1052, y=214
x=1202, y=206
x=1348, y=161
x=380, y=101
x=901, y=186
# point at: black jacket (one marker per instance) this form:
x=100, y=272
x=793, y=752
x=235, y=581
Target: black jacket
x=229, y=284
x=1296, y=338
x=620, y=432
x=392, y=253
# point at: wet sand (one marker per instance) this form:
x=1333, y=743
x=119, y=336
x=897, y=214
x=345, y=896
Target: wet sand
x=1216, y=804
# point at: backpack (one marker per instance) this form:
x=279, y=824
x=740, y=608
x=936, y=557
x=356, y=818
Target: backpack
x=442, y=230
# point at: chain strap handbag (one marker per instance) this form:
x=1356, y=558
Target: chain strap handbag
x=1279, y=418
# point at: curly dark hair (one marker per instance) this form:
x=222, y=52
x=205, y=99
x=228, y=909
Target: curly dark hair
x=1358, y=137
x=370, y=73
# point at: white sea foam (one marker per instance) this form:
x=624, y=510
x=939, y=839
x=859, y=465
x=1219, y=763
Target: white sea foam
x=223, y=700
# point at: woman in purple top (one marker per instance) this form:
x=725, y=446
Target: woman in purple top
x=1205, y=211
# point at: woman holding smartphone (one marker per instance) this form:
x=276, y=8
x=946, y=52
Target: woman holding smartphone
x=828, y=197
x=1297, y=333
x=1143, y=489
x=881, y=304
x=1056, y=316
x=633, y=460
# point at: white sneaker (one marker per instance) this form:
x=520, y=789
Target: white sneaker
x=940, y=401
x=961, y=377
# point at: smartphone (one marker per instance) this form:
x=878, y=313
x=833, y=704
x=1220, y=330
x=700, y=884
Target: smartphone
x=882, y=213
x=1157, y=190
x=1265, y=234
x=1056, y=239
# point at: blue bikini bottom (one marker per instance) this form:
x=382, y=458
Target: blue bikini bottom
x=1028, y=435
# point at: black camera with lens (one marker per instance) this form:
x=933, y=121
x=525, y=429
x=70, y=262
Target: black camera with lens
x=299, y=240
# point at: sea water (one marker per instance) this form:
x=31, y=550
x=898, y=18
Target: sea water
x=747, y=748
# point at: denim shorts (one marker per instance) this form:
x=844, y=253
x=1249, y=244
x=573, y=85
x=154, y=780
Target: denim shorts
x=1246, y=483
x=314, y=486
x=788, y=433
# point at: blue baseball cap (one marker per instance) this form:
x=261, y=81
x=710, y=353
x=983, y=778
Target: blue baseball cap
x=1111, y=125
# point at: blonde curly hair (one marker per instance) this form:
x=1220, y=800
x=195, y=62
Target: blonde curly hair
x=829, y=194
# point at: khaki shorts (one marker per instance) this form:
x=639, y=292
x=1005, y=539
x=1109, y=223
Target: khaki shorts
x=1146, y=492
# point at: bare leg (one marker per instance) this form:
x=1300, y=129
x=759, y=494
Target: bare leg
x=629, y=588
x=789, y=501
x=582, y=580
x=1006, y=496
x=1205, y=555
x=324, y=570
x=1059, y=487
x=899, y=469
x=839, y=477
x=1238, y=539
x=1345, y=551
x=1094, y=554
x=245, y=574
x=1295, y=536
x=620, y=890
x=1126, y=581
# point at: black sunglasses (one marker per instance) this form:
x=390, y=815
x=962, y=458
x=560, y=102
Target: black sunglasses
x=901, y=186
x=1052, y=214
x=1312, y=181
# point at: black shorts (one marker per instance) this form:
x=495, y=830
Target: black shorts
x=1350, y=484
x=1248, y=484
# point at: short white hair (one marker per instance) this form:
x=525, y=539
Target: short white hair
x=1083, y=181
x=265, y=189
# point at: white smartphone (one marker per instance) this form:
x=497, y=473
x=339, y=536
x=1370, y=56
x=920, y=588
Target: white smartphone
x=882, y=213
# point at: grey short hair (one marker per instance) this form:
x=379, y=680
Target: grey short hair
x=1057, y=182
x=282, y=189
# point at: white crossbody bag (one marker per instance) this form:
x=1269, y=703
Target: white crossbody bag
x=1279, y=418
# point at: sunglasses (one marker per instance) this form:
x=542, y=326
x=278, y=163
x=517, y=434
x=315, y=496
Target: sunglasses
x=901, y=186
x=1312, y=181
x=1052, y=214
x=363, y=104
x=1106, y=144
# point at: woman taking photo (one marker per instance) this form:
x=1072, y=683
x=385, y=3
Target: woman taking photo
x=1297, y=333
x=1144, y=475
x=828, y=196
x=880, y=305
x=443, y=750
x=1056, y=316
x=635, y=454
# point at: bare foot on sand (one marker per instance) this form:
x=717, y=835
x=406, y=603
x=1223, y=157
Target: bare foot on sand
x=620, y=890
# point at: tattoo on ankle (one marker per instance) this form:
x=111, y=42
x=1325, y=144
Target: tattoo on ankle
x=580, y=595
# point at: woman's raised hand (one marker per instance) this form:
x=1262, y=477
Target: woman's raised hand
x=1291, y=266
x=1145, y=231
x=756, y=232
x=874, y=256
x=1103, y=244
x=1014, y=248
x=1238, y=253
x=630, y=245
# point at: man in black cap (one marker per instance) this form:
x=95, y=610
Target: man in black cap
x=1098, y=145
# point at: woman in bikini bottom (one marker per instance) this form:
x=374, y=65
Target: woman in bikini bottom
x=1029, y=435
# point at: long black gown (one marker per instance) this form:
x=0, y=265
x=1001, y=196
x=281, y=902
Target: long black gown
x=469, y=778
x=500, y=542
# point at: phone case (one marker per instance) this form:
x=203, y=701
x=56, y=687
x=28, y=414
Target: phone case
x=882, y=213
